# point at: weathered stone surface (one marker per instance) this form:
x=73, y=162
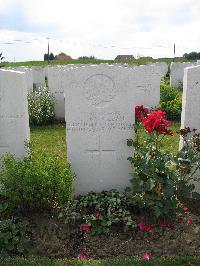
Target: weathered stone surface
x=14, y=124
x=29, y=77
x=55, y=84
x=38, y=76
x=99, y=111
x=162, y=68
x=54, y=76
x=177, y=73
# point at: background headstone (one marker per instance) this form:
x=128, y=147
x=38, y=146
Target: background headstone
x=29, y=77
x=99, y=111
x=190, y=116
x=162, y=68
x=38, y=76
x=54, y=77
x=14, y=120
x=177, y=73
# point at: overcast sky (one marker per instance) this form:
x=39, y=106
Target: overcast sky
x=103, y=28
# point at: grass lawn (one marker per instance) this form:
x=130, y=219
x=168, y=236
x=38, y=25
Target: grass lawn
x=53, y=138
x=171, y=143
x=181, y=261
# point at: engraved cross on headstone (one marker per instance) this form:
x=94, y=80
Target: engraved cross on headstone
x=100, y=150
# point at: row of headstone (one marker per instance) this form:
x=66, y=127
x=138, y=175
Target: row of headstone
x=35, y=76
x=55, y=84
x=99, y=113
x=14, y=121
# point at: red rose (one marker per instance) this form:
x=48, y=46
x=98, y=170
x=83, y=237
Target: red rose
x=82, y=256
x=85, y=227
x=148, y=228
x=122, y=222
x=141, y=226
x=189, y=221
x=170, y=226
x=147, y=256
x=97, y=213
x=156, y=122
x=140, y=112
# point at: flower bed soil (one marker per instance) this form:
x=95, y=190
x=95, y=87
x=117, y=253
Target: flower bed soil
x=52, y=238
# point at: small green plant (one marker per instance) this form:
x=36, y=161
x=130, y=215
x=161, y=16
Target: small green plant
x=13, y=234
x=36, y=183
x=171, y=101
x=41, y=106
x=160, y=179
x=99, y=212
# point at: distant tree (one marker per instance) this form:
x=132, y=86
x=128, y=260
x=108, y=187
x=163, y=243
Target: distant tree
x=51, y=56
x=192, y=56
x=45, y=57
x=1, y=58
x=87, y=57
x=61, y=53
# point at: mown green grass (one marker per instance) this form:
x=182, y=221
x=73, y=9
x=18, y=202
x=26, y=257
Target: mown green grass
x=169, y=143
x=51, y=138
x=179, y=261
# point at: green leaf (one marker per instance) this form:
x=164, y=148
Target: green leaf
x=150, y=184
x=20, y=248
x=157, y=211
x=130, y=142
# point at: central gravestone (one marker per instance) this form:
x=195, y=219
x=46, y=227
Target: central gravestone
x=99, y=112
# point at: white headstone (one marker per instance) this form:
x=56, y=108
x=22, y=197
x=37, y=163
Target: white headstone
x=38, y=76
x=177, y=72
x=162, y=68
x=99, y=111
x=29, y=77
x=190, y=116
x=14, y=124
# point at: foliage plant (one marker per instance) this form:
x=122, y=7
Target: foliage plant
x=171, y=101
x=13, y=234
x=160, y=179
x=36, y=183
x=97, y=213
x=41, y=106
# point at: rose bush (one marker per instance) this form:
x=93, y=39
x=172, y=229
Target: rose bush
x=160, y=179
